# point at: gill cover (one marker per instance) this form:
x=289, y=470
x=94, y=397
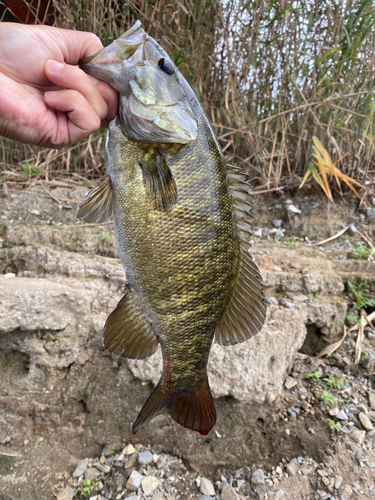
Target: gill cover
x=153, y=103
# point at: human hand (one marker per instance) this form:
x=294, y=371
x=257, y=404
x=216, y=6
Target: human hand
x=44, y=98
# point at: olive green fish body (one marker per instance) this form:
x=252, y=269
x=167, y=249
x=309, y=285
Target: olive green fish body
x=179, y=241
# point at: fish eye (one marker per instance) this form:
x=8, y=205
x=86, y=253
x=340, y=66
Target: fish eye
x=166, y=66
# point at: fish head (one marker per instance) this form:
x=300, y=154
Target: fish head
x=153, y=103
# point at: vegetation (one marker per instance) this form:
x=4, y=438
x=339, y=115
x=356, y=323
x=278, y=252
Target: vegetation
x=313, y=375
x=360, y=290
x=334, y=383
x=333, y=426
x=328, y=398
x=271, y=78
x=88, y=486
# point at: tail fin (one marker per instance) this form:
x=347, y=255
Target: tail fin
x=191, y=408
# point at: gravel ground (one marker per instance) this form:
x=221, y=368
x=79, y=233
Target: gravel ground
x=331, y=390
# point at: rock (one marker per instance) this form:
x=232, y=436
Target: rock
x=206, y=487
x=365, y=421
x=257, y=477
x=338, y=482
x=345, y=492
x=277, y=223
x=128, y=450
x=134, y=481
x=228, y=493
x=132, y=461
x=334, y=411
x=145, y=457
x=293, y=209
x=371, y=398
x=370, y=464
x=358, y=436
x=342, y=415
x=149, y=485
x=273, y=301
x=103, y=468
x=80, y=468
x=112, y=448
x=290, y=382
x=158, y=495
x=371, y=416
x=66, y=494
x=292, y=467
x=274, y=347
x=91, y=473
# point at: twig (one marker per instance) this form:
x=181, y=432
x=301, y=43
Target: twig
x=268, y=190
x=359, y=342
x=333, y=347
x=337, y=235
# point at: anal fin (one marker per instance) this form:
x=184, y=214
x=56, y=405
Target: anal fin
x=127, y=332
x=98, y=204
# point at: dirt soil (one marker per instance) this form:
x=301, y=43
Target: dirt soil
x=38, y=462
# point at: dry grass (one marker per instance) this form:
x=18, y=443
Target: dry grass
x=270, y=74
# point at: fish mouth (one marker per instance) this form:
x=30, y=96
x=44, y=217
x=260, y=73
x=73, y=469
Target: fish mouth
x=107, y=64
x=153, y=103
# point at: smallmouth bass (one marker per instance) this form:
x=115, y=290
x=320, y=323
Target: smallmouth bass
x=181, y=225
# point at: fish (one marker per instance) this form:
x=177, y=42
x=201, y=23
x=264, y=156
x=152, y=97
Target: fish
x=181, y=221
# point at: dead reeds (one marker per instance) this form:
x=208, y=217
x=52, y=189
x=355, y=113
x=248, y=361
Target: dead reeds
x=271, y=75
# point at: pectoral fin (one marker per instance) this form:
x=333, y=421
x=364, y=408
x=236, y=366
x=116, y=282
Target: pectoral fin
x=247, y=308
x=127, y=332
x=98, y=204
x=158, y=179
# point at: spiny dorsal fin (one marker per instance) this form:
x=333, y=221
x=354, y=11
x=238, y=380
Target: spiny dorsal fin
x=98, y=204
x=127, y=333
x=247, y=309
x=158, y=180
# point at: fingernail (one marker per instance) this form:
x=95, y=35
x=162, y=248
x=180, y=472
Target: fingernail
x=51, y=93
x=55, y=66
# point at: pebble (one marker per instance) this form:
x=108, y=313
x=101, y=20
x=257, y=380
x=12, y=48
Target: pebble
x=228, y=493
x=149, y=485
x=338, y=482
x=292, y=467
x=80, y=467
x=112, y=448
x=334, y=411
x=365, y=421
x=128, y=450
x=293, y=209
x=66, y=494
x=371, y=398
x=273, y=301
x=358, y=436
x=277, y=223
x=145, y=457
x=131, y=462
x=206, y=487
x=257, y=477
x=290, y=383
x=134, y=481
x=91, y=473
x=342, y=415
x=371, y=415
x=345, y=492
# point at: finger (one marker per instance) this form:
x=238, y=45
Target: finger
x=71, y=77
x=77, y=120
x=111, y=98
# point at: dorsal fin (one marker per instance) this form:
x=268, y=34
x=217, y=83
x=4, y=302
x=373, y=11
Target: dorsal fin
x=127, y=332
x=247, y=308
x=98, y=204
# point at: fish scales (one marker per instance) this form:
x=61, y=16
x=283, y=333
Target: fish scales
x=180, y=230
